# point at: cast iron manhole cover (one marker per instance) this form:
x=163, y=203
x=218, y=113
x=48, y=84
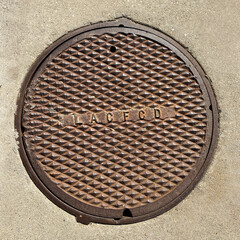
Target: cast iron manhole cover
x=117, y=122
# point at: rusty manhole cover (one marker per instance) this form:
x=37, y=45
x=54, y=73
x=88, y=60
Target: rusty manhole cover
x=117, y=122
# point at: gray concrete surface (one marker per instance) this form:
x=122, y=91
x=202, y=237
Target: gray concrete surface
x=210, y=29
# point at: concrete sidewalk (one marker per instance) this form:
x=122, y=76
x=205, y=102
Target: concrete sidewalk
x=210, y=30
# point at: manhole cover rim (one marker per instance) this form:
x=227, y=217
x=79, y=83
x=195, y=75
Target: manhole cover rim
x=201, y=78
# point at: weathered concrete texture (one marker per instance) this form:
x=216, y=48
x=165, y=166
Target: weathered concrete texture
x=210, y=29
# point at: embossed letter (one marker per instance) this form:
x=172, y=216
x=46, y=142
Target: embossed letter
x=156, y=113
x=109, y=117
x=94, y=119
x=125, y=116
x=142, y=115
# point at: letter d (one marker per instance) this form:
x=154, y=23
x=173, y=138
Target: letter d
x=156, y=113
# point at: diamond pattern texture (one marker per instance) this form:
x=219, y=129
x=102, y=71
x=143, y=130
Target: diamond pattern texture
x=115, y=165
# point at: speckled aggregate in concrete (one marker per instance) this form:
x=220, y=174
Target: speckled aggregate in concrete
x=210, y=29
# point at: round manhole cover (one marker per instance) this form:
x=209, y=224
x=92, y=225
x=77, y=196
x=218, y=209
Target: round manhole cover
x=117, y=122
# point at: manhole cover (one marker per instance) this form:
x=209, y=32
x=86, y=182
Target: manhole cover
x=117, y=122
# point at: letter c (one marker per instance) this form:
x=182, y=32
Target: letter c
x=109, y=117
x=142, y=115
